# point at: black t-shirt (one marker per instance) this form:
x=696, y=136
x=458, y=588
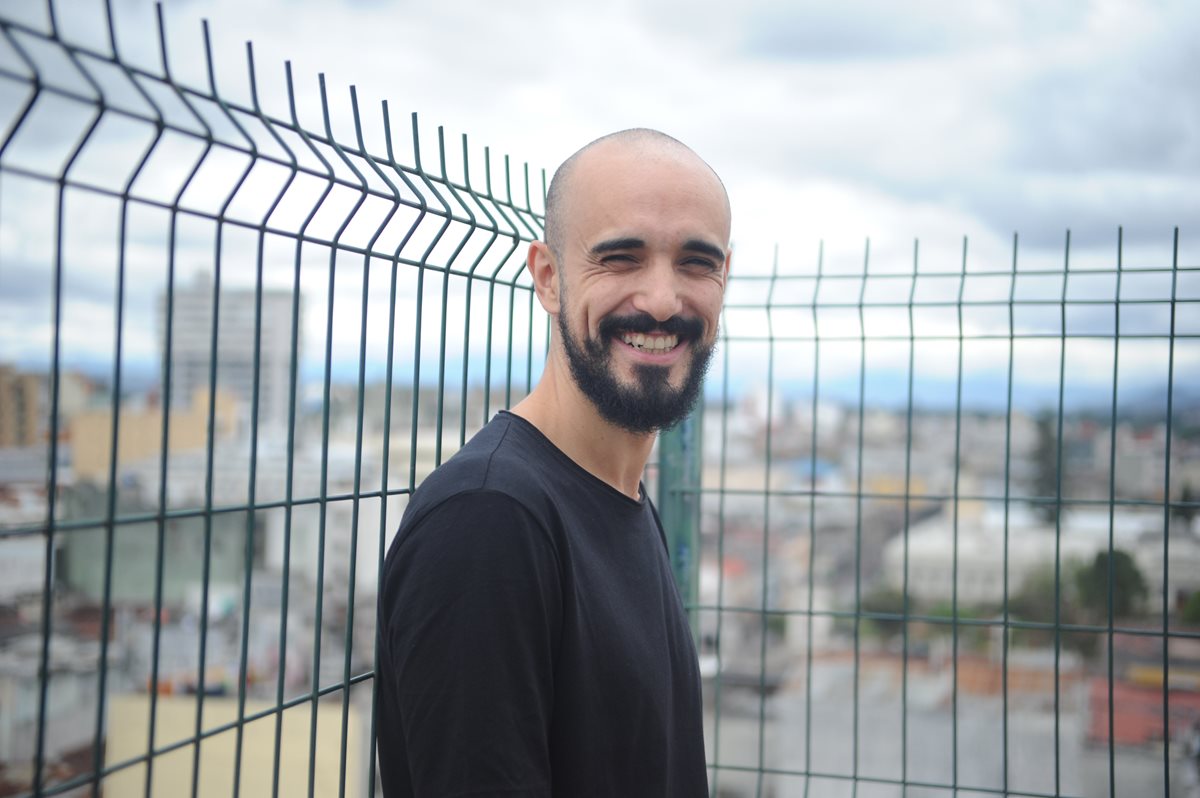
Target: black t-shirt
x=531, y=638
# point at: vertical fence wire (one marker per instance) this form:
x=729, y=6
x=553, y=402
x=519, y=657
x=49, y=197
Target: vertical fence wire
x=290, y=467
x=765, y=603
x=1006, y=618
x=812, y=522
x=905, y=573
x=860, y=453
x=1060, y=410
x=1166, y=554
x=956, y=507
x=385, y=465
x=1110, y=671
x=114, y=438
x=722, y=479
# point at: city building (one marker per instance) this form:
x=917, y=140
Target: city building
x=25, y=404
x=22, y=411
x=191, y=345
x=176, y=717
x=140, y=431
x=972, y=547
x=70, y=711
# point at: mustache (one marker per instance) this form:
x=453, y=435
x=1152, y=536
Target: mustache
x=683, y=326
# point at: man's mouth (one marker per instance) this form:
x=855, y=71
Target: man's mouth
x=651, y=342
x=649, y=335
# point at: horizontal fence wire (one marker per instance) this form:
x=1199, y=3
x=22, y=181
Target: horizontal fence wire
x=294, y=326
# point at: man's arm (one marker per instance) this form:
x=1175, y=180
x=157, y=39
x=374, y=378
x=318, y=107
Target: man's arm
x=470, y=612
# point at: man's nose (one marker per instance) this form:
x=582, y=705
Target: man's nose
x=658, y=292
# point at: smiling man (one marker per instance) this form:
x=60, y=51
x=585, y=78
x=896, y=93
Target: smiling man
x=531, y=638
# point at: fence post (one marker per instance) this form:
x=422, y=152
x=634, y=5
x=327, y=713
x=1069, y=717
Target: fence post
x=679, y=502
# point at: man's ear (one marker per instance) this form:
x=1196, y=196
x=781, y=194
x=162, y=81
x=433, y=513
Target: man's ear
x=543, y=268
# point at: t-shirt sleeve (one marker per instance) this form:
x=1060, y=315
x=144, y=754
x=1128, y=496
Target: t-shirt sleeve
x=471, y=611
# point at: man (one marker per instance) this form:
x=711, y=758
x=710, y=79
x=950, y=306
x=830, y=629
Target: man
x=532, y=641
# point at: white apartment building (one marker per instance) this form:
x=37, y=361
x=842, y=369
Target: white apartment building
x=1031, y=546
x=191, y=345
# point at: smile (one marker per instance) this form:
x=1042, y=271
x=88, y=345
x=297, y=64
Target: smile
x=651, y=343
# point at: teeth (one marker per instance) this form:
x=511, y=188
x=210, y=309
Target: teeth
x=651, y=342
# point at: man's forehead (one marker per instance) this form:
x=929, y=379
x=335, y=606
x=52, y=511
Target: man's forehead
x=634, y=168
x=624, y=185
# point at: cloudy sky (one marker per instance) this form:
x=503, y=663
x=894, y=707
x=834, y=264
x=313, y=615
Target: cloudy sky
x=827, y=121
x=833, y=120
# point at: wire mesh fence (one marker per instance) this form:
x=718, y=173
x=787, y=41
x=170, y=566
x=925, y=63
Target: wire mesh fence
x=935, y=522
x=234, y=343
x=948, y=526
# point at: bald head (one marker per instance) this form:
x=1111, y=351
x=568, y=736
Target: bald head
x=639, y=141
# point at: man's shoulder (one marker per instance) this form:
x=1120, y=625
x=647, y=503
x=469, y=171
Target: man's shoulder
x=488, y=491
x=501, y=458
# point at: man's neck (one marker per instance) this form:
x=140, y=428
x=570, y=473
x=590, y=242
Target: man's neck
x=571, y=422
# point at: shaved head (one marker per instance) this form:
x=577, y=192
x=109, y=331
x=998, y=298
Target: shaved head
x=633, y=266
x=562, y=185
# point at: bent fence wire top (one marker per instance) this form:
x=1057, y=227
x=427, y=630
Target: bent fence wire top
x=936, y=525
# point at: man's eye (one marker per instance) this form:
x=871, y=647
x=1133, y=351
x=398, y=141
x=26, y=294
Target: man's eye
x=700, y=263
x=617, y=259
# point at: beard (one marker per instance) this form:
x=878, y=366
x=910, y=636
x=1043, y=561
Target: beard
x=650, y=403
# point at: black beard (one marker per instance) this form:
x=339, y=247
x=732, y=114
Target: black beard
x=650, y=404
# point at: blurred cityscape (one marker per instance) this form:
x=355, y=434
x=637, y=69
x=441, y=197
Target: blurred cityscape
x=882, y=594
x=815, y=561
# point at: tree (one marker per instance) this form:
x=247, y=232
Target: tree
x=1184, y=515
x=885, y=600
x=1190, y=614
x=1092, y=585
x=1034, y=600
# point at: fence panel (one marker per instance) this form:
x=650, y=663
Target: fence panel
x=233, y=342
x=949, y=537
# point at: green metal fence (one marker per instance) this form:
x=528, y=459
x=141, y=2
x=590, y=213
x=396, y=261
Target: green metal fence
x=248, y=339
x=935, y=521
x=948, y=524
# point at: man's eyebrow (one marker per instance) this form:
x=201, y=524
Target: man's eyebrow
x=704, y=248
x=616, y=244
x=696, y=245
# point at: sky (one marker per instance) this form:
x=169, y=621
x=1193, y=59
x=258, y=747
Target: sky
x=830, y=123
x=828, y=120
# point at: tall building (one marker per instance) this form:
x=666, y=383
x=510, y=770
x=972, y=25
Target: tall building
x=22, y=408
x=191, y=346
x=25, y=398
